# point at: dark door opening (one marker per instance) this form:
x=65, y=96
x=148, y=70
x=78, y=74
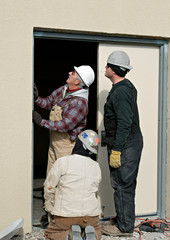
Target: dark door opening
x=53, y=59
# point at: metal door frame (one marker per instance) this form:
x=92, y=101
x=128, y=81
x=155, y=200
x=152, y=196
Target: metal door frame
x=162, y=95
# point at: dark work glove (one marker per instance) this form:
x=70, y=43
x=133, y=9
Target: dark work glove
x=36, y=118
x=36, y=93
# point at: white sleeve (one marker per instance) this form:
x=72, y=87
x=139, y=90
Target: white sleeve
x=51, y=183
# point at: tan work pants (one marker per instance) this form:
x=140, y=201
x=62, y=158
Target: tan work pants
x=60, y=144
x=59, y=227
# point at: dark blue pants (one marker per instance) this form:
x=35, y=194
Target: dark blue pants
x=123, y=181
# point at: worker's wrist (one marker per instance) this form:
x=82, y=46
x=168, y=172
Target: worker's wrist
x=116, y=152
x=42, y=123
x=36, y=99
x=116, y=149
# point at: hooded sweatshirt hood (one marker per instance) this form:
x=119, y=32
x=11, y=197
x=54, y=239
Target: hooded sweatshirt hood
x=80, y=150
x=84, y=92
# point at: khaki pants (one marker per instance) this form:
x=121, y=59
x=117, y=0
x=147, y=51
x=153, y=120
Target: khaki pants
x=60, y=144
x=59, y=227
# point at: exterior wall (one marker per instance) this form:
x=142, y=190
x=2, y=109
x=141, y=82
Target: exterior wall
x=18, y=18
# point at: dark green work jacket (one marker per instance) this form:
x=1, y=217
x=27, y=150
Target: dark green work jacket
x=121, y=118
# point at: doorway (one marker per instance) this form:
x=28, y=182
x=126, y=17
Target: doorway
x=53, y=59
x=54, y=56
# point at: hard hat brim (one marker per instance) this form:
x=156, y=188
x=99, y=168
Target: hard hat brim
x=121, y=65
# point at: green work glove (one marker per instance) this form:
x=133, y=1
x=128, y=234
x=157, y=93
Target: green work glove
x=36, y=118
x=36, y=93
x=115, y=159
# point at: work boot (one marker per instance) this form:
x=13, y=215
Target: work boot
x=90, y=233
x=75, y=233
x=112, y=230
x=112, y=222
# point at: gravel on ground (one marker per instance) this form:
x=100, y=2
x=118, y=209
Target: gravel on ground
x=38, y=234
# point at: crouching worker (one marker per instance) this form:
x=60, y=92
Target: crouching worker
x=70, y=192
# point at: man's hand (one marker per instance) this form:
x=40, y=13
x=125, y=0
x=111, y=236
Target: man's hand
x=36, y=118
x=49, y=202
x=36, y=93
x=115, y=159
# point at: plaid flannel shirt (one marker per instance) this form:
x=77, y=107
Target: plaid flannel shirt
x=74, y=112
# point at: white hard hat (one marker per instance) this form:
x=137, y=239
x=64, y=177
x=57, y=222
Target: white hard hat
x=119, y=58
x=90, y=139
x=86, y=73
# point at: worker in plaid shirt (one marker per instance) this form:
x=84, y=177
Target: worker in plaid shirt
x=68, y=107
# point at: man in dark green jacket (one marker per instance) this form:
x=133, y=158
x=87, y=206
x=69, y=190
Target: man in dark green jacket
x=124, y=142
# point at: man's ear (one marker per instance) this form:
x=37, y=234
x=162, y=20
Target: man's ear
x=77, y=82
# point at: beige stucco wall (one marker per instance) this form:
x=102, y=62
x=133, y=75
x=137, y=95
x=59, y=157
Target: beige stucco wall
x=17, y=21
